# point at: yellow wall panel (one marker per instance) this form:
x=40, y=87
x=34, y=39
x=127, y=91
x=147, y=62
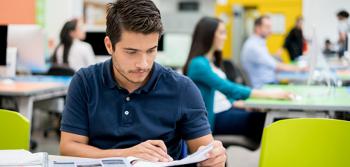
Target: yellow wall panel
x=291, y=9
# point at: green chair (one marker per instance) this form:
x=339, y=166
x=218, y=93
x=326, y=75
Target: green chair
x=306, y=142
x=14, y=131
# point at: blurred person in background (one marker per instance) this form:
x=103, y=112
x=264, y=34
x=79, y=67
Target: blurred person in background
x=256, y=59
x=72, y=51
x=223, y=98
x=294, y=42
x=343, y=30
x=328, y=49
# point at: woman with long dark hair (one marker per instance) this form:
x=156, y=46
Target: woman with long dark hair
x=71, y=51
x=223, y=98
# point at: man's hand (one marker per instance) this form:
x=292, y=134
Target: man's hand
x=151, y=150
x=216, y=157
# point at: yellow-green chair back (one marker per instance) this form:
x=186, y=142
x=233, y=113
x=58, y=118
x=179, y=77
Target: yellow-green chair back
x=14, y=131
x=306, y=142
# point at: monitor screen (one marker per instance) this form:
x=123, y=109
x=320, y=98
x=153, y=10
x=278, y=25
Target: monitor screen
x=96, y=40
x=3, y=44
x=161, y=43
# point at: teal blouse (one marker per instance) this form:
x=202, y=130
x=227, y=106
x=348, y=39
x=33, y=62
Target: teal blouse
x=202, y=74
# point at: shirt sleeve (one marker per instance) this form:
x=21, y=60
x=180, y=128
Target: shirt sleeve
x=262, y=58
x=75, y=116
x=194, y=121
x=201, y=71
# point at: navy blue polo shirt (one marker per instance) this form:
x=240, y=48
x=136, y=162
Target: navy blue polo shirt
x=168, y=107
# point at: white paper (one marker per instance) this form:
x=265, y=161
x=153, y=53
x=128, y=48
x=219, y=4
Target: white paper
x=198, y=156
x=22, y=158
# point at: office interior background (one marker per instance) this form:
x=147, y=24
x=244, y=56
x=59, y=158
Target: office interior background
x=29, y=34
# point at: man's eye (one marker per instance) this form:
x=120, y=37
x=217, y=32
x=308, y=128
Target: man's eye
x=131, y=52
x=151, y=51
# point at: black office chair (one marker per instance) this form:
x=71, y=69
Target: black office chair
x=235, y=73
x=237, y=140
x=57, y=70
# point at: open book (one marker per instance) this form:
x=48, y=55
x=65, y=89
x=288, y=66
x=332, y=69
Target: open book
x=23, y=158
x=198, y=156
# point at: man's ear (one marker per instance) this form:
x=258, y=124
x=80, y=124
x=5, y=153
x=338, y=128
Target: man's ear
x=108, y=45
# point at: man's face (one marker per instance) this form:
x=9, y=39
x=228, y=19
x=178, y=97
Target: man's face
x=133, y=56
x=264, y=30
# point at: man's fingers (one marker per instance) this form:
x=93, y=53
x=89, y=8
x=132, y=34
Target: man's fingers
x=158, y=143
x=216, y=157
x=216, y=151
x=201, y=147
x=162, y=145
x=158, y=152
x=218, y=161
x=148, y=157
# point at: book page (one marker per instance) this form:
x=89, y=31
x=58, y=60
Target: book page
x=86, y=162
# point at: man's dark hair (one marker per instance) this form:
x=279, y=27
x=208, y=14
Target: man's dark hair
x=259, y=21
x=141, y=16
x=343, y=13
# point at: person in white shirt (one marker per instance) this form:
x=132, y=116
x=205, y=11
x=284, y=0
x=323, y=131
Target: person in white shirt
x=256, y=59
x=71, y=51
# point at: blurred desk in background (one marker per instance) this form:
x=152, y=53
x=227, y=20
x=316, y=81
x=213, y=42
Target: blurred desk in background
x=302, y=77
x=310, y=101
x=28, y=89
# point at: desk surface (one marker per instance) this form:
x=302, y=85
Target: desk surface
x=314, y=98
x=28, y=88
x=29, y=85
x=44, y=78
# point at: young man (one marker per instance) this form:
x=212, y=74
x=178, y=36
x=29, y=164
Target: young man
x=131, y=106
x=256, y=59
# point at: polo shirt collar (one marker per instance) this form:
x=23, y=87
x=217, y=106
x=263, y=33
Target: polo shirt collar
x=110, y=82
x=152, y=81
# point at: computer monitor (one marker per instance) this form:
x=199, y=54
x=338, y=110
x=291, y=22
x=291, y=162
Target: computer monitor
x=3, y=44
x=30, y=42
x=161, y=43
x=96, y=40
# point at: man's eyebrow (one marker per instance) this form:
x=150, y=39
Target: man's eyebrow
x=133, y=49
x=154, y=47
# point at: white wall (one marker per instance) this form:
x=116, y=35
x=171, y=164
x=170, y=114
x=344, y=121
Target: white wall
x=183, y=22
x=58, y=12
x=321, y=14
